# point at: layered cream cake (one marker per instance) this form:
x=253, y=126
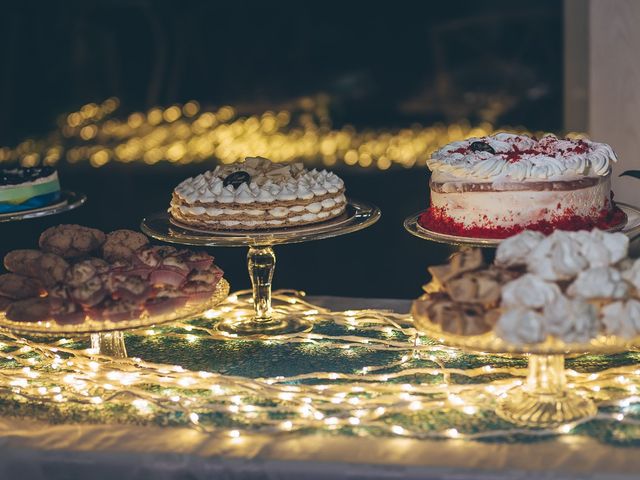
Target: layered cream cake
x=497, y=186
x=28, y=188
x=258, y=194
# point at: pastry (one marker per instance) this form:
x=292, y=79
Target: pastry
x=48, y=268
x=29, y=310
x=132, y=278
x=122, y=245
x=28, y=188
x=71, y=241
x=497, y=186
x=257, y=194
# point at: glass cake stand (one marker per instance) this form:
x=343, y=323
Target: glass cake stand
x=544, y=400
x=631, y=227
x=68, y=201
x=261, y=259
x=107, y=337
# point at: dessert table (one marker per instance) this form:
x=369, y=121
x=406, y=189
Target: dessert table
x=380, y=401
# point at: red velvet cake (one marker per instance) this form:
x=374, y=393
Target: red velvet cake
x=497, y=186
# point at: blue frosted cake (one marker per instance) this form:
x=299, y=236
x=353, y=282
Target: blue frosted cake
x=28, y=188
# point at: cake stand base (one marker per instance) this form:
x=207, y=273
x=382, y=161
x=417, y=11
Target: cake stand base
x=544, y=401
x=276, y=325
x=109, y=343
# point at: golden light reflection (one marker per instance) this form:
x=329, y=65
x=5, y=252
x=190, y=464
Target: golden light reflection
x=189, y=133
x=373, y=399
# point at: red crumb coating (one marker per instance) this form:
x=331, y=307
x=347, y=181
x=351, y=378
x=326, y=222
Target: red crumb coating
x=437, y=220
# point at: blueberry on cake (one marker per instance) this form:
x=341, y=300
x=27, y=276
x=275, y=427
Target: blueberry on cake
x=500, y=185
x=28, y=188
x=257, y=194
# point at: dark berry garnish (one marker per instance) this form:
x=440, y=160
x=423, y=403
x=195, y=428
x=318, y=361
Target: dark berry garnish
x=482, y=147
x=236, y=179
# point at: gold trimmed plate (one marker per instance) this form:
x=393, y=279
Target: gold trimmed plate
x=188, y=312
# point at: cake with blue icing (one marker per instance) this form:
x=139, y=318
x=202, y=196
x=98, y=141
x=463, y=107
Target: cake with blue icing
x=28, y=188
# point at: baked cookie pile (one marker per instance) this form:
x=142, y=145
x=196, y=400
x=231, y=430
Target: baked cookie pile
x=81, y=272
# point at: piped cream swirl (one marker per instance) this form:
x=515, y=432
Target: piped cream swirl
x=522, y=158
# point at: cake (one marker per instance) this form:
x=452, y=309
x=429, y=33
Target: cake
x=497, y=186
x=257, y=194
x=28, y=188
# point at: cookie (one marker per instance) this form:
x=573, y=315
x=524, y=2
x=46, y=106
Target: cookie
x=122, y=244
x=19, y=287
x=48, y=268
x=4, y=303
x=81, y=272
x=21, y=261
x=71, y=241
x=29, y=310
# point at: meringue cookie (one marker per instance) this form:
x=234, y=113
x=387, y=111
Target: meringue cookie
x=571, y=320
x=521, y=326
x=514, y=251
x=632, y=274
x=557, y=257
x=529, y=291
x=599, y=282
x=602, y=249
x=622, y=318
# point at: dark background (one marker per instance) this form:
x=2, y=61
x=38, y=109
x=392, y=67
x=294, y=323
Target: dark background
x=381, y=64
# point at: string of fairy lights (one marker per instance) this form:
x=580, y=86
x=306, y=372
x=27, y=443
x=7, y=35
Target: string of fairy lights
x=415, y=388
x=188, y=133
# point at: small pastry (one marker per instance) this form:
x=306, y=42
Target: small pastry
x=29, y=310
x=71, y=241
x=19, y=287
x=122, y=245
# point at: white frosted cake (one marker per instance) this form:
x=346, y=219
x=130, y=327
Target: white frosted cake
x=258, y=194
x=497, y=186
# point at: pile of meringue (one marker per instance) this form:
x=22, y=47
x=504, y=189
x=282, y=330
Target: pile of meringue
x=576, y=286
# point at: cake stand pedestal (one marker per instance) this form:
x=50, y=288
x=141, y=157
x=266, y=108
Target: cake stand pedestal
x=544, y=399
x=107, y=338
x=68, y=201
x=110, y=344
x=261, y=260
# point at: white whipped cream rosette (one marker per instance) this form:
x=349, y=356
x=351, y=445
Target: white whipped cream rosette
x=549, y=157
x=622, y=318
x=521, y=326
x=514, y=251
x=571, y=320
x=599, y=283
x=529, y=291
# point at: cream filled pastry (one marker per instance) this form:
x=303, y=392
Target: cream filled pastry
x=258, y=194
x=497, y=186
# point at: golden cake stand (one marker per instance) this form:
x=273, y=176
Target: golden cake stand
x=68, y=201
x=261, y=260
x=107, y=337
x=630, y=227
x=544, y=400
